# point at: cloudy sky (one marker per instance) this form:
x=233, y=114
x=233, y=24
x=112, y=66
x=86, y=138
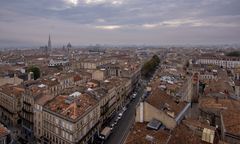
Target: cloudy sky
x=155, y=22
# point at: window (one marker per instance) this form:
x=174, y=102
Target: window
x=70, y=137
x=66, y=126
x=56, y=130
x=63, y=133
x=70, y=127
x=67, y=136
x=56, y=121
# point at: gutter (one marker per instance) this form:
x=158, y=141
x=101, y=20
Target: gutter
x=182, y=113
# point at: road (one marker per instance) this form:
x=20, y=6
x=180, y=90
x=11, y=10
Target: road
x=120, y=131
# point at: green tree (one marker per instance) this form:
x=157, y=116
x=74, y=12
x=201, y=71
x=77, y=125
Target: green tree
x=35, y=70
x=149, y=67
x=233, y=54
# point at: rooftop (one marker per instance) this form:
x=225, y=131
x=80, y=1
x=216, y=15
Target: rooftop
x=183, y=135
x=213, y=103
x=71, y=106
x=43, y=99
x=3, y=131
x=112, y=82
x=49, y=82
x=165, y=102
x=197, y=124
x=141, y=135
x=11, y=90
x=221, y=85
x=171, y=80
x=231, y=120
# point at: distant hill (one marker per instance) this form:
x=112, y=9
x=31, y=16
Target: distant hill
x=233, y=54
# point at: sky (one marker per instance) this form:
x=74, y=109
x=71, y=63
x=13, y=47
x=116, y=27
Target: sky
x=149, y=22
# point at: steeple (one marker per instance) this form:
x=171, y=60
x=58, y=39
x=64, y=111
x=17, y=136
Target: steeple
x=49, y=43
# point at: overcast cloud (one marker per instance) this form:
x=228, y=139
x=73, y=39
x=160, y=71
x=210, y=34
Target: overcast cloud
x=28, y=22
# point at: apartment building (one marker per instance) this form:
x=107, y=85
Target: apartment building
x=91, y=63
x=113, y=94
x=211, y=108
x=99, y=74
x=230, y=126
x=34, y=94
x=39, y=102
x=56, y=63
x=143, y=134
x=27, y=115
x=65, y=79
x=10, y=80
x=10, y=104
x=52, y=84
x=237, y=88
x=162, y=107
x=70, y=119
x=222, y=61
x=220, y=87
x=5, y=136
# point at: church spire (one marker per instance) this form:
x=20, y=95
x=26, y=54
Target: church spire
x=49, y=43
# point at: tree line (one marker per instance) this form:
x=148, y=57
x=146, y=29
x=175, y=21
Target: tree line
x=150, y=66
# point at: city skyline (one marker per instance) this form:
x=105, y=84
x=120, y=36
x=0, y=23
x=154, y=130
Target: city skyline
x=153, y=22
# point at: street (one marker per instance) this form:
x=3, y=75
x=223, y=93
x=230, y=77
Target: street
x=120, y=131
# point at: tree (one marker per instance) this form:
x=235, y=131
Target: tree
x=233, y=54
x=149, y=67
x=156, y=59
x=35, y=70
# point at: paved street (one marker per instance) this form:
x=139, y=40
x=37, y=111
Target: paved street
x=121, y=130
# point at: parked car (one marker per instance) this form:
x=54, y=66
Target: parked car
x=124, y=109
x=134, y=95
x=115, y=122
x=112, y=126
x=120, y=115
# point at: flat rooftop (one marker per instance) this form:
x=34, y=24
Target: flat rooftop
x=71, y=106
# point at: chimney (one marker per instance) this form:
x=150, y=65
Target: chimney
x=14, y=78
x=30, y=75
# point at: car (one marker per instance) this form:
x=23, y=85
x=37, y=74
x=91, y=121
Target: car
x=119, y=117
x=120, y=114
x=115, y=121
x=134, y=95
x=124, y=109
x=111, y=127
